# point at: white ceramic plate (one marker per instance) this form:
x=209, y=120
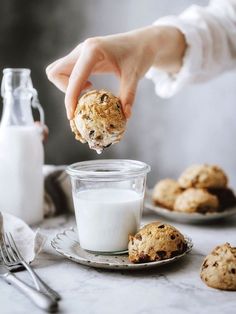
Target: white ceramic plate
x=66, y=243
x=185, y=217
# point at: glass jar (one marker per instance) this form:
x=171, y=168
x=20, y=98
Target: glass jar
x=108, y=200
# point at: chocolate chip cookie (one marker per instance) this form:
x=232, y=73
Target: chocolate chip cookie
x=219, y=268
x=156, y=241
x=203, y=176
x=225, y=196
x=98, y=120
x=196, y=200
x=165, y=193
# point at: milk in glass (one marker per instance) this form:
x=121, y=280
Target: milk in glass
x=106, y=217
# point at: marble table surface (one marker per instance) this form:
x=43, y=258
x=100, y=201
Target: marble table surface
x=174, y=288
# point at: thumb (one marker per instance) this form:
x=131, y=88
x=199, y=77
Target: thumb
x=128, y=88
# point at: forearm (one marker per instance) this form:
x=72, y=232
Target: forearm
x=170, y=47
x=163, y=47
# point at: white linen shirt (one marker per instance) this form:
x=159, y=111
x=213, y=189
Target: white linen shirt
x=210, y=34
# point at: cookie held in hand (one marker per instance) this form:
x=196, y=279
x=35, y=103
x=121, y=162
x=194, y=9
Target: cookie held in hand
x=165, y=193
x=219, y=268
x=98, y=120
x=203, y=176
x=154, y=242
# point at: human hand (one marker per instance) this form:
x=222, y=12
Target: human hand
x=128, y=56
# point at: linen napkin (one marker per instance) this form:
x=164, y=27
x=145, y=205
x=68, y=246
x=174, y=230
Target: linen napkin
x=57, y=191
x=29, y=243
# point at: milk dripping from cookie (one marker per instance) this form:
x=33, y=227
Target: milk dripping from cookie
x=21, y=149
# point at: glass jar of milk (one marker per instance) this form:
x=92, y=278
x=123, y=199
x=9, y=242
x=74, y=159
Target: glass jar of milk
x=21, y=149
x=108, y=199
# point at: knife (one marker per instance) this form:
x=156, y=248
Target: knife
x=38, y=298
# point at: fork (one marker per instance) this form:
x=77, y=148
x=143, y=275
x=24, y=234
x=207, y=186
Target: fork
x=12, y=257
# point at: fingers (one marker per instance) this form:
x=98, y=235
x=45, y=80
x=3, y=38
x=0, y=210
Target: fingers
x=128, y=87
x=50, y=66
x=70, y=74
x=61, y=82
x=59, y=71
x=79, y=76
x=63, y=64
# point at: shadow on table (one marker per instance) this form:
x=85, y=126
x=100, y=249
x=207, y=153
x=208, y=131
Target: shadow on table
x=46, y=259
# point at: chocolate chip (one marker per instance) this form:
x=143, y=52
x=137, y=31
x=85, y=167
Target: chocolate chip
x=104, y=98
x=215, y=264
x=112, y=126
x=144, y=257
x=233, y=271
x=180, y=246
x=161, y=254
x=138, y=237
x=161, y=226
x=205, y=265
x=86, y=117
x=91, y=133
x=174, y=253
x=172, y=237
x=99, y=137
x=118, y=106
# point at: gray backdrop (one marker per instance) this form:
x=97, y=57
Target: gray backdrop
x=197, y=125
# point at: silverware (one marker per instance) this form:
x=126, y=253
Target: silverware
x=12, y=257
x=38, y=298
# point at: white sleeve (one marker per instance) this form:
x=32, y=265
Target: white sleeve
x=210, y=34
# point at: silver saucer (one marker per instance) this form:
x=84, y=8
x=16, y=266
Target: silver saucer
x=66, y=243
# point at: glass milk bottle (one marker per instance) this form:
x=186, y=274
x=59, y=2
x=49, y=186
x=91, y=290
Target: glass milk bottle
x=21, y=149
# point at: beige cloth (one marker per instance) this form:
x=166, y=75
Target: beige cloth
x=57, y=200
x=57, y=196
x=29, y=243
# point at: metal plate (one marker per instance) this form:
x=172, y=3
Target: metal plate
x=186, y=217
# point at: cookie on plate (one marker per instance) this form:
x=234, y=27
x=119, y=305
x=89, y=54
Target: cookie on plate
x=203, y=176
x=165, y=193
x=225, y=196
x=196, y=200
x=156, y=241
x=219, y=268
x=98, y=120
